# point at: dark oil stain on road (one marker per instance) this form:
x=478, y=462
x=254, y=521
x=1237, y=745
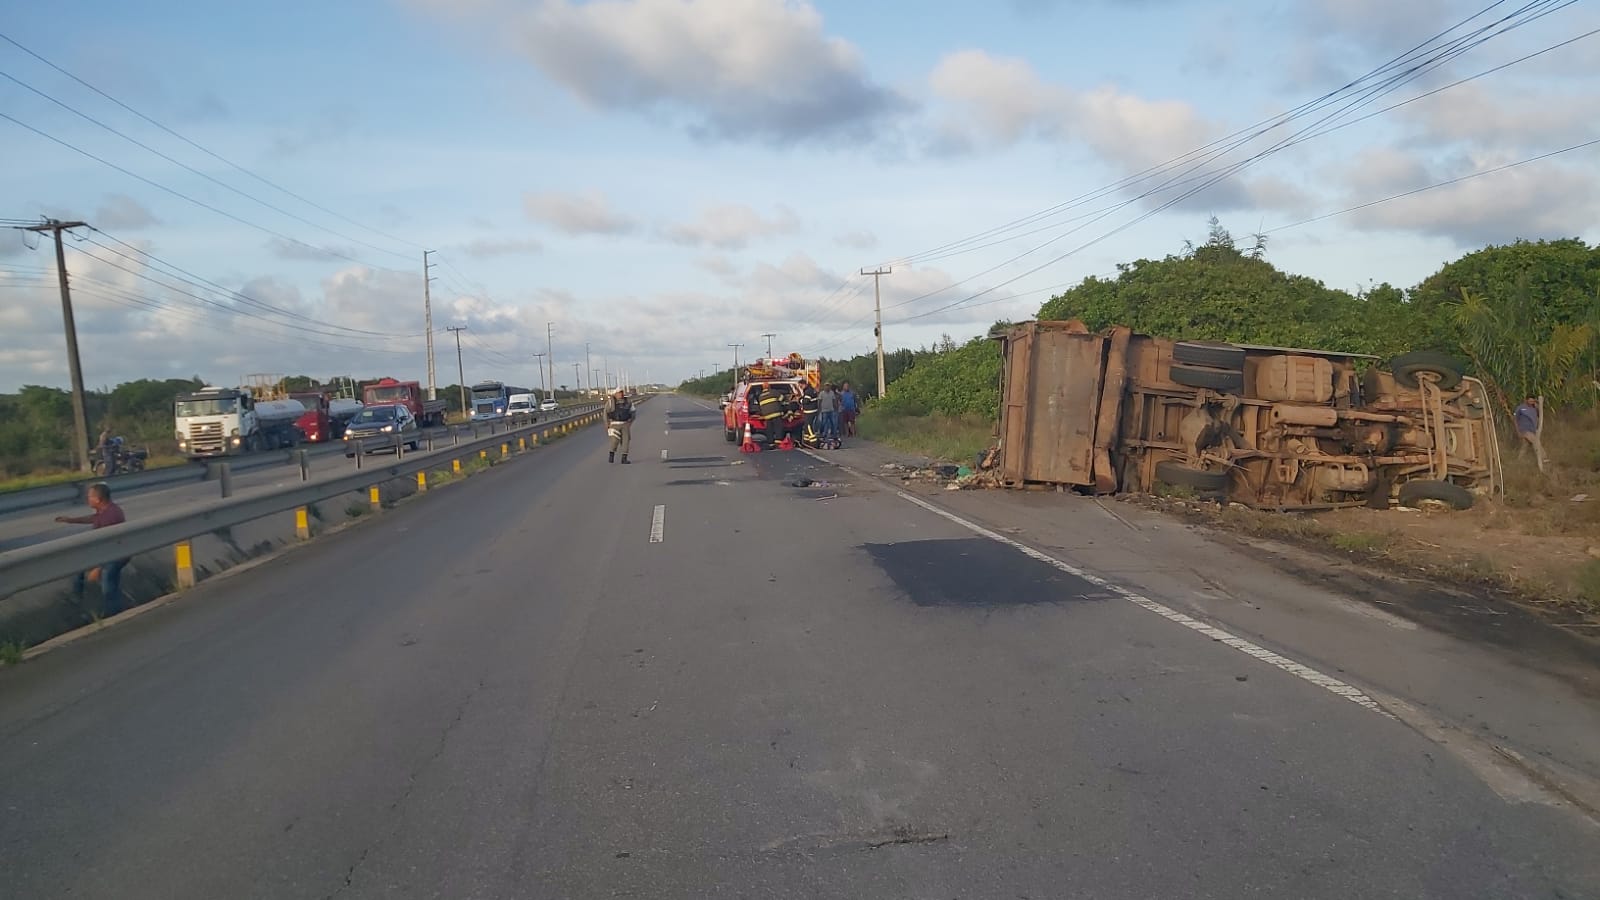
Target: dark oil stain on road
x=976, y=573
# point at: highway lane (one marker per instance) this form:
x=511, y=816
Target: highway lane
x=509, y=689
x=28, y=527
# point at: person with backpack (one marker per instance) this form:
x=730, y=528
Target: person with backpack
x=619, y=425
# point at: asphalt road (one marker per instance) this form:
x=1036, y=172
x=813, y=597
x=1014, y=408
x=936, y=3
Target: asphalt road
x=35, y=526
x=510, y=688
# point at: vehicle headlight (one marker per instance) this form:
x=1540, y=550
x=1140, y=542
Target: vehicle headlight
x=388, y=428
x=236, y=441
x=347, y=435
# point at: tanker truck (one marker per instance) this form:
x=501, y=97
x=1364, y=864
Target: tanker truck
x=325, y=415
x=222, y=421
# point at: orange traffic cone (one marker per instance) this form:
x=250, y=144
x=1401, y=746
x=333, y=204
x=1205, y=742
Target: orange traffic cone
x=749, y=445
x=787, y=443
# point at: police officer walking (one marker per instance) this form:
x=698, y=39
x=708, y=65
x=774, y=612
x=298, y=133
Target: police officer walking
x=619, y=425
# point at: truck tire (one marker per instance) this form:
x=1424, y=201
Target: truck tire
x=1446, y=368
x=1212, y=354
x=731, y=434
x=1454, y=495
x=1176, y=473
x=1225, y=381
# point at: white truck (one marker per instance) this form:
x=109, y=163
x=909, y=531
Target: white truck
x=221, y=421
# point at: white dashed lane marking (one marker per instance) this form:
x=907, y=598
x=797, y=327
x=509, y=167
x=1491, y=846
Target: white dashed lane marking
x=658, y=525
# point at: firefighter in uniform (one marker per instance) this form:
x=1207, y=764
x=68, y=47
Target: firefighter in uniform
x=772, y=414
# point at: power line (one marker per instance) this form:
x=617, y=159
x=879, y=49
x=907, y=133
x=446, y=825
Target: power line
x=216, y=181
x=224, y=160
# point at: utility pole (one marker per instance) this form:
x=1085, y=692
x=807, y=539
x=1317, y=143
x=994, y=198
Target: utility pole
x=877, y=309
x=427, y=320
x=769, y=338
x=461, y=372
x=80, y=417
x=577, y=379
x=549, y=347
x=540, y=358
x=588, y=365
x=735, y=363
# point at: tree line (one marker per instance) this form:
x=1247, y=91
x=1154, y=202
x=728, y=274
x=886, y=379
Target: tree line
x=1523, y=317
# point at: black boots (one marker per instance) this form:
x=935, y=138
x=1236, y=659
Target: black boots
x=625, y=459
x=612, y=457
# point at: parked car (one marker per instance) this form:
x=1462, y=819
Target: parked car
x=381, y=428
x=737, y=412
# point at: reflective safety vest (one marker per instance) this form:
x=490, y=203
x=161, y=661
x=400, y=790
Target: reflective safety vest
x=808, y=402
x=771, y=405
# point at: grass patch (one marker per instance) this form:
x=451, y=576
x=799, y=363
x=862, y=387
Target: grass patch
x=1359, y=541
x=64, y=476
x=357, y=510
x=11, y=653
x=1588, y=579
x=956, y=439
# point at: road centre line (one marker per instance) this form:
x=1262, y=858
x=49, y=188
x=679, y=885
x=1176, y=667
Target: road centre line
x=1299, y=670
x=658, y=524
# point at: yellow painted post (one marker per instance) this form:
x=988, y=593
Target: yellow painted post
x=522, y=445
x=483, y=454
x=185, y=559
x=302, y=524
x=535, y=438
x=505, y=449
x=376, y=496
x=422, y=481
x=455, y=466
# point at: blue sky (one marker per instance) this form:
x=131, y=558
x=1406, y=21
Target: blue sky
x=660, y=178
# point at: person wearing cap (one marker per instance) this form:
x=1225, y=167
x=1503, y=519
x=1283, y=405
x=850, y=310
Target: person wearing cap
x=619, y=425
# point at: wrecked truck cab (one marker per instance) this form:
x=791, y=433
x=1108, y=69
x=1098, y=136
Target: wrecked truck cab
x=1273, y=427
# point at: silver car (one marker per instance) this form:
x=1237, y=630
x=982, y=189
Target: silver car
x=381, y=428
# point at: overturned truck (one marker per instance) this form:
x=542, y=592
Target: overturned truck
x=1271, y=427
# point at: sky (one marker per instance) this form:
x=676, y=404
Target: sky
x=636, y=185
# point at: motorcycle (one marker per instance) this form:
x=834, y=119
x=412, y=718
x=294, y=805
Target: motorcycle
x=119, y=458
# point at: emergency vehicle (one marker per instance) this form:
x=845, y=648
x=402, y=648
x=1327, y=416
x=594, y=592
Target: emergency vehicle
x=788, y=375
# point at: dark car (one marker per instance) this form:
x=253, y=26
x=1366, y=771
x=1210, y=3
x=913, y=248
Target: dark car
x=381, y=428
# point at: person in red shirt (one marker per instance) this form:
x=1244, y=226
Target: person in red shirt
x=109, y=575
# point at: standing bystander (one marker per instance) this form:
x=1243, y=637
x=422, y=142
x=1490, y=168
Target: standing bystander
x=847, y=409
x=109, y=574
x=1529, y=424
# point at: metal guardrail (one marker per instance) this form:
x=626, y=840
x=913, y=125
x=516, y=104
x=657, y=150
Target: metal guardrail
x=75, y=493
x=43, y=563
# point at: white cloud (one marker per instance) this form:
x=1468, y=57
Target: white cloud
x=857, y=240
x=490, y=248
x=121, y=212
x=576, y=213
x=734, y=69
x=731, y=226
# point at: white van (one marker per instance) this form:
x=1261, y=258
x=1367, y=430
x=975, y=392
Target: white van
x=521, y=404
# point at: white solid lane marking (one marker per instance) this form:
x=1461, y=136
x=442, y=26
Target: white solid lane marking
x=658, y=524
x=1304, y=672
x=663, y=455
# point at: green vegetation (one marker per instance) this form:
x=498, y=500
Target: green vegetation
x=11, y=653
x=957, y=439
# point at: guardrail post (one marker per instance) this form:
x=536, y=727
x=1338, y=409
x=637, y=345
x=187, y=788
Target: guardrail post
x=455, y=436
x=483, y=454
x=422, y=480
x=305, y=464
x=522, y=444
x=399, y=448
x=302, y=523
x=455, y=466
x=183, y=556
x=430, y=442
x=375, y=496
x=535, y=437
x=361, y=454
x=225, y=478
x=505, y=449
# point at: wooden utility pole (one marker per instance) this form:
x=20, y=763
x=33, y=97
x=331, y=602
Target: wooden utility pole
x=735, y=363
x=769, y=336
x=550, y=352
x=80, y=416
x=461, y=372
x=538, y=359
x=877, y=309
x=427, y=320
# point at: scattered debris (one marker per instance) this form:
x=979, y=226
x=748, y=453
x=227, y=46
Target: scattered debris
x=1579, y=498
x=829, y=497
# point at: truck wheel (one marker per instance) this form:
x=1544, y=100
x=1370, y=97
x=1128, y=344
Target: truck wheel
x=252, y=444
x=730, y=435
x=1415, y=493
x=1214, y=354
x=1176, y=473
x=1446, y=369
x=1222, y=380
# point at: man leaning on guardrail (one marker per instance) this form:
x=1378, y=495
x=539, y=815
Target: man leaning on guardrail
x=109, y=575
